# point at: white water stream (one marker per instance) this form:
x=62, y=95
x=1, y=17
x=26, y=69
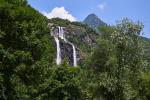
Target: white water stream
x=58, y=58
x=61, y=35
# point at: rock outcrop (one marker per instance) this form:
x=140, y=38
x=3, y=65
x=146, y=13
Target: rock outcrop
x=74, y=34
x=67, y=49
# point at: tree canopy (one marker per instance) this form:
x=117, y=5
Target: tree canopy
x=116, y=68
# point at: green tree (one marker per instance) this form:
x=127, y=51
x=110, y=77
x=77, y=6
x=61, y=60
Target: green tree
x=26, y=52
x=145, y=85
x=63, y=85
x=117, y=61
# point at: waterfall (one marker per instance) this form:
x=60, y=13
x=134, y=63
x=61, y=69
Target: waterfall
x=74, y=56
x=61, y=33
x=58, y=58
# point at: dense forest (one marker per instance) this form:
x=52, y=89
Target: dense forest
x=116, y=65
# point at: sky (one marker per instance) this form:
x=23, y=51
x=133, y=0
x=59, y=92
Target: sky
x=109, y=11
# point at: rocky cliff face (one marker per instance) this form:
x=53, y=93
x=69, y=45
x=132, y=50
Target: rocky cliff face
x=66, y=47
x=67, y=52
x=78, y=34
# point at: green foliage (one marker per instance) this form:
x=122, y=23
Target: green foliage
x=60, y=22
x=63, y=85
x=106, y=50
x=146, y=50
x=116, y=62
x=26, y=52
x=103, y=65
x=145, y=85
x=117, y=69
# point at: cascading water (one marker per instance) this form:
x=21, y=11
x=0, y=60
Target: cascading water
x=61, y=35
x=74, y=56
x=58, y=58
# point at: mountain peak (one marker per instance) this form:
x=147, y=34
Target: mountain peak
x=92, y=15
x=93, y=21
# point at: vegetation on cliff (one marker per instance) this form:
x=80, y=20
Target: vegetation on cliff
x=79, y=34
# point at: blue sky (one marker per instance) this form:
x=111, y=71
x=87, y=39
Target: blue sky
x=108, y=10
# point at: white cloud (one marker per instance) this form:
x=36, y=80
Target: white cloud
x=102, y=6
x=59, y=12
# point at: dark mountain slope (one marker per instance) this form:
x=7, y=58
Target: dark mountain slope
x=93, y=21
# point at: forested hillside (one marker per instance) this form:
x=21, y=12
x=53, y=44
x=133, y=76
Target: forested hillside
x=116, y=64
